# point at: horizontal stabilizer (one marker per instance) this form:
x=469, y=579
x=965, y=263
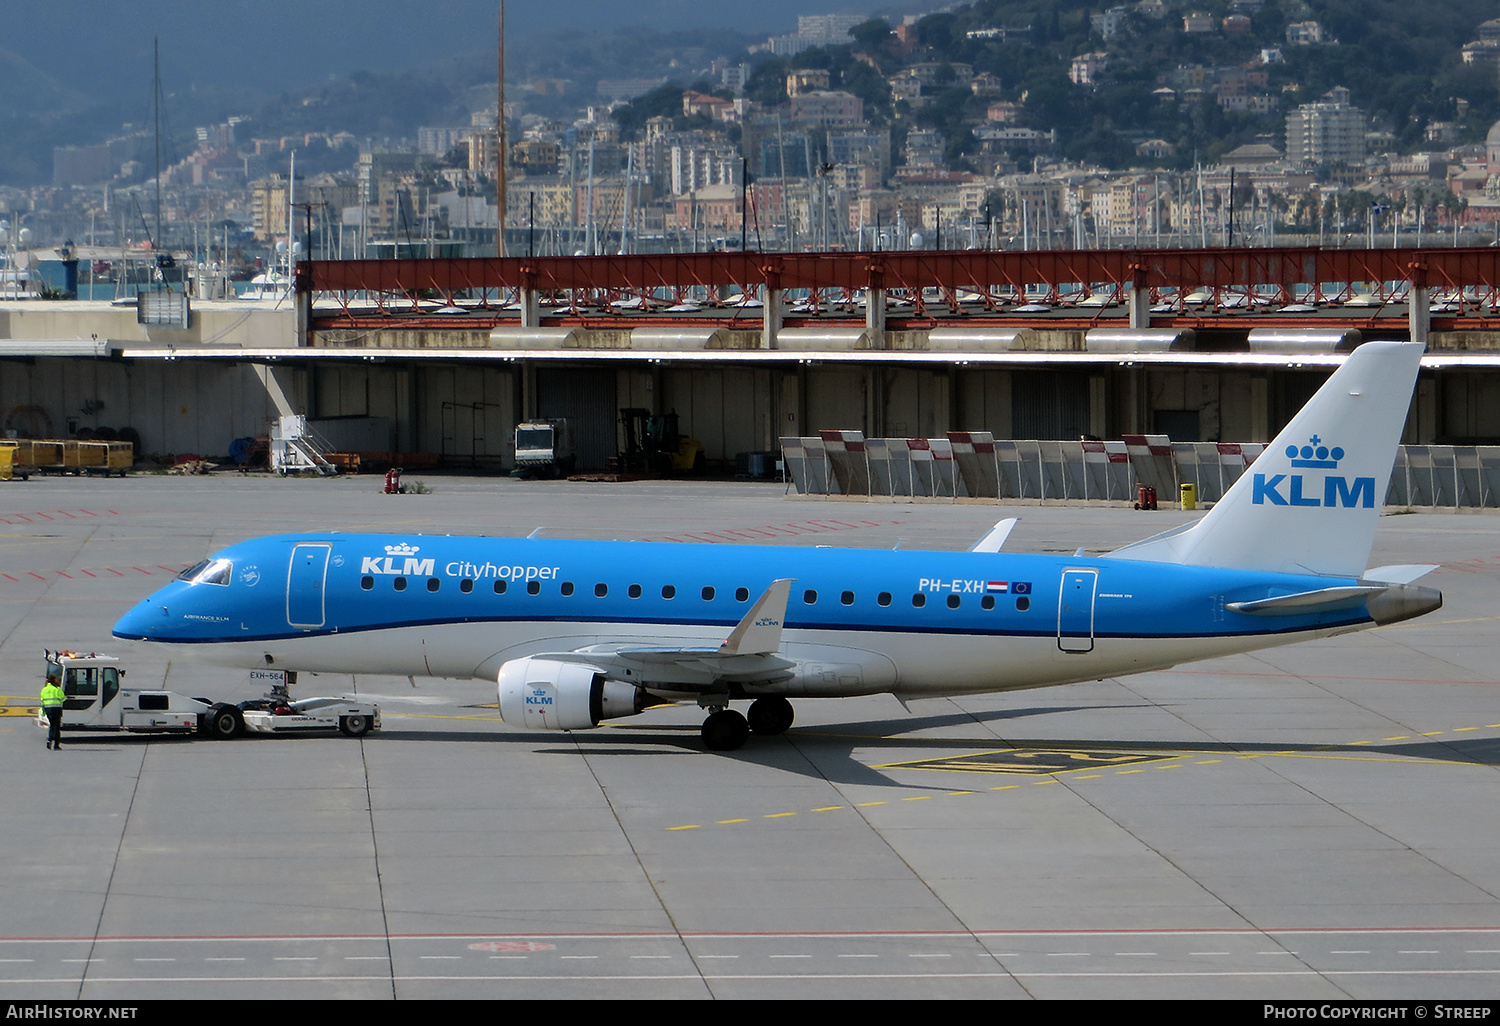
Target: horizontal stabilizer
x=1320, y=601
x=1403, y=574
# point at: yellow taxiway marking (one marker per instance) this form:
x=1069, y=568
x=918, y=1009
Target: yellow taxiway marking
x=17, y=705
x=1063, y=776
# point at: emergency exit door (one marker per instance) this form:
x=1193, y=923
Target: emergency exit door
x=1075, y=610
x=305, y=584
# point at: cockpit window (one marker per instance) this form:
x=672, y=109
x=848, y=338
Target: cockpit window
x=193, y=571
x=210, y=571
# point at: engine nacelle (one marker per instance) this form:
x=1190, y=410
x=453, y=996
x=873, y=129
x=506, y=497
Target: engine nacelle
x=549, y=694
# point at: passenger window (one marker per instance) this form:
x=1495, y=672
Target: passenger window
x=567, y=588
x=809, y=596
x=988, y=602
x=465, y=585
x=367, y=583
x=742, y=594
x=1023, y=603
x=884, y=598
x=919, y=600
x=635, y=591
x=847, y=598
x=708, y=594
x=601, y=590
x=499, y=587
x=533, y=587
x=668, y=591
x=399, y=584
x=433, y=584
x=953, y=601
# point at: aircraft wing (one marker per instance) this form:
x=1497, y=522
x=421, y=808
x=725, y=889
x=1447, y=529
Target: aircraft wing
x=747, y=656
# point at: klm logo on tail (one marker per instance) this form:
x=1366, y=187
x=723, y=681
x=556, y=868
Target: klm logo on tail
x=1303, y=490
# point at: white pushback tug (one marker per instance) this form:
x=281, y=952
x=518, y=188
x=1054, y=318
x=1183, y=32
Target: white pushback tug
x=98, y=699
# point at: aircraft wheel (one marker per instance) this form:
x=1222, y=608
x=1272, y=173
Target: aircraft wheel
x=725, y=731
x=354, y=726
x=224, y=722
x=770, y=715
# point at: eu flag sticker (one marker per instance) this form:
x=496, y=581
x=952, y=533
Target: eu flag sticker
x=1020, y=587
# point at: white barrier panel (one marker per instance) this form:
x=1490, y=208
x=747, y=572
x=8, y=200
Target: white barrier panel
x=1151, y=459
x=1107, y=471
x=807, y=465
x=890, y=466
x=1020, y=465
x=974, y=452
x=846, y=459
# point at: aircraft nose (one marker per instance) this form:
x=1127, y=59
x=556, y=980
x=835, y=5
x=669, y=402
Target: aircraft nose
x=148, y=619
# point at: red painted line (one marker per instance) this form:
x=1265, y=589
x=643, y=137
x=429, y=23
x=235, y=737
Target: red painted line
x=38, y=576
x=115, y=572
x=87, y=572
x=61, y=574
x=44, y=516
x=140, y=571
x=5, y=575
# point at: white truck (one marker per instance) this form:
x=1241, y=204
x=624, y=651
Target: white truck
x=98, y=699
x=544, y=448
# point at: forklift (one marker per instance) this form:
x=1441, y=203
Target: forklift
x=653, y=445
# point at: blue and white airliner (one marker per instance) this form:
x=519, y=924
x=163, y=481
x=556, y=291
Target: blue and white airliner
x=578, y=632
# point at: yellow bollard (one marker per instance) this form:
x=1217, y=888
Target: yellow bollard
x=1190, y=496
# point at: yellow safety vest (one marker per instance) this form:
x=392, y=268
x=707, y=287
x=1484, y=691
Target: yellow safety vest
x=52, y=695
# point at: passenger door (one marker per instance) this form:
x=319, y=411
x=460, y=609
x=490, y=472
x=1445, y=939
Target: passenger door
x=305, y=584
x=1075, y=610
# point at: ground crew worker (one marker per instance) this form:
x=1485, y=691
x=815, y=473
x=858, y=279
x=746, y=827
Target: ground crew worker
x=52, y=704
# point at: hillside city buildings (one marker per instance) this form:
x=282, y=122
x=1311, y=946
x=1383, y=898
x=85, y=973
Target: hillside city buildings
x=817, y=170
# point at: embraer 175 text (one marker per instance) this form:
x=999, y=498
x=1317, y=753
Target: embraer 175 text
x=577, y=632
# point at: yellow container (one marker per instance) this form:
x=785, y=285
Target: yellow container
x=47, y=453
x=92, y=454
x=7, y=455
x=121, y=456
x=1189, y=496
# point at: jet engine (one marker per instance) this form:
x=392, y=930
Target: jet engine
x=550, y=694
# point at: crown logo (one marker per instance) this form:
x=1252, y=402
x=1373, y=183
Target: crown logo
x=1315, y=454
x=402, y=549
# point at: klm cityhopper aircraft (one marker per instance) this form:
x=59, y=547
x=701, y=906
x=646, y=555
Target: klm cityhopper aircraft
x=577, y=632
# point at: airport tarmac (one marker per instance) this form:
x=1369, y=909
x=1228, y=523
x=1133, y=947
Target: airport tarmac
x=1311, y=822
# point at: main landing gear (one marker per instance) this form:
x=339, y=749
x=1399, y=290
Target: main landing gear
x=726, y=730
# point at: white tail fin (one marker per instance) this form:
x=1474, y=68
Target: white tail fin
x=1311, y=500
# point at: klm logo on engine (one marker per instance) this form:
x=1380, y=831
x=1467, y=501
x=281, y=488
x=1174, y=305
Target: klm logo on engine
x=399, y=560
x=1307, y=490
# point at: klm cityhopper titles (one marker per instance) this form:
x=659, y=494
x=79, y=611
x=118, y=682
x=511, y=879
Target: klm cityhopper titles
x=578, y=632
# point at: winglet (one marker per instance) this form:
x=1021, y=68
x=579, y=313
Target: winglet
x=996, y=538
x=759, y=633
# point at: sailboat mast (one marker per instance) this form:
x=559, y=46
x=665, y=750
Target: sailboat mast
x=500, y=147
x=156, y=114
